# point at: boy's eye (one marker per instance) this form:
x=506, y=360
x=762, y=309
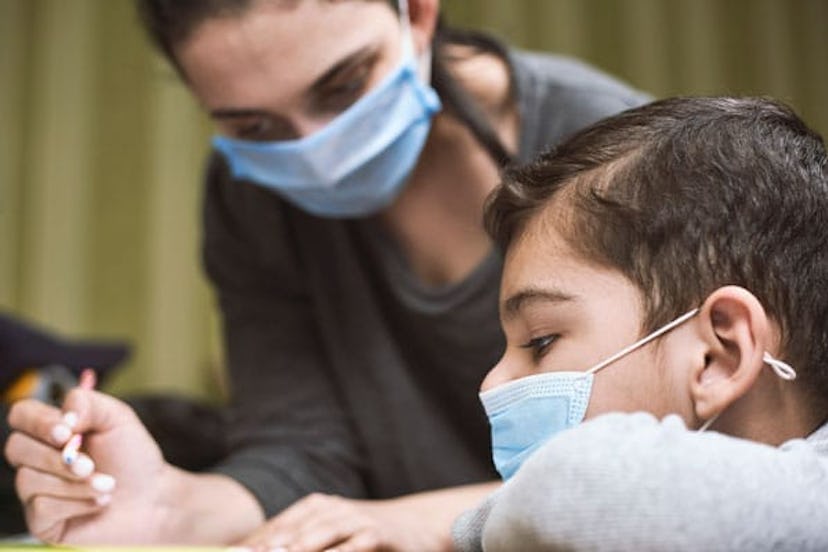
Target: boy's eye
x=540, y=345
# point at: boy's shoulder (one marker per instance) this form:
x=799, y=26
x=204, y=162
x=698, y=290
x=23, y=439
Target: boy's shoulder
x=655, y=481
x=816, y=441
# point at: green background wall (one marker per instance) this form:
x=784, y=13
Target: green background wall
x=101, y=149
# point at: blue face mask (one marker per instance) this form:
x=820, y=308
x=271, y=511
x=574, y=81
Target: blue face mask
x=527, y=412
x=359, y=162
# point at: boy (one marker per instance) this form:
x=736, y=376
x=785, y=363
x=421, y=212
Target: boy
x=700, y=224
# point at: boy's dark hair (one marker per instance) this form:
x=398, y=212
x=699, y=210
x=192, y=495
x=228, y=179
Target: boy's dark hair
x=686, y=195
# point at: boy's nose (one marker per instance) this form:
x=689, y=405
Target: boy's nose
x=501, y=373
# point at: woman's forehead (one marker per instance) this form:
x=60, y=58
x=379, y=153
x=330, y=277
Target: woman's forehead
x=242, y=58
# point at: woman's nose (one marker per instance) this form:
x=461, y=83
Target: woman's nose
x=304, y=126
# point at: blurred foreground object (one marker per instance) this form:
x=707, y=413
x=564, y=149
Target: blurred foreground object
x=37, y=364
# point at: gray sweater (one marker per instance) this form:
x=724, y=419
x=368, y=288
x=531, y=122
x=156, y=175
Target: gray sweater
x=631, y=482
x=348, y=375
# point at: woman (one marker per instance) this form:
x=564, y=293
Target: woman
x=357, y=144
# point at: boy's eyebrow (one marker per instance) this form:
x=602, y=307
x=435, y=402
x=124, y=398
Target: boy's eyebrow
x=519, y=300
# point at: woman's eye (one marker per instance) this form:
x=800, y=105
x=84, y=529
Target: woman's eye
x=540, y=345
x=255, y=130
x=338, y=98
x=260, y=129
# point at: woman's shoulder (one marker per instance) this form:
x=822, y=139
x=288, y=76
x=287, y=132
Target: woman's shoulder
x=562, y=75
x=559, y=95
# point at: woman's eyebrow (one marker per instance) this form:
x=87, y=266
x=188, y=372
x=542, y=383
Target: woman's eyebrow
x=233, y=113
x=360, y=56
x=521, y=299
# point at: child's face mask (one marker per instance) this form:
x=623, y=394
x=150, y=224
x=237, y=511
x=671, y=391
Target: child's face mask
x=527, y=412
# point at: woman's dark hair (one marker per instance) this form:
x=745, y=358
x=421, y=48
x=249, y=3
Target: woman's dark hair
x=171, y=22
x=454, y=96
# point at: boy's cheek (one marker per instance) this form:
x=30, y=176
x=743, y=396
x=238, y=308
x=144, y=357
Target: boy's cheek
x=626, y=387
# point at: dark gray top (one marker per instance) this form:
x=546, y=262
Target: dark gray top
x=348, y=375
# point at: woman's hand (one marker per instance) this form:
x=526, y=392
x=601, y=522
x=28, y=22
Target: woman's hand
x=323, y=522
x=112, y=485
x=415, y=523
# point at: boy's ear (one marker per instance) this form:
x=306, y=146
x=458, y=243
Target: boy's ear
x=423, y=15
x=735, y=329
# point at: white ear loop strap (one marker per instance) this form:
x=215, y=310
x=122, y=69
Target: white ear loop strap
x=643, y=341
x=709, y=422
x=782, y=369
x=424, y=59
x=404, y=17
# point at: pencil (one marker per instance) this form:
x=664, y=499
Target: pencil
x=71, y=449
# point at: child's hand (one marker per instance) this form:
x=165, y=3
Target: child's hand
x=105, y=490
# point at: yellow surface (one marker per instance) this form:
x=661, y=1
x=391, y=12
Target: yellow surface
x=33, y=547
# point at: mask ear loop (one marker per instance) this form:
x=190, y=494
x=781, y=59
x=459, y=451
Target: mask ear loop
x=423, y=61
x=643, y=341
x=782, y=369
x=402, y=5
x=709, y=422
